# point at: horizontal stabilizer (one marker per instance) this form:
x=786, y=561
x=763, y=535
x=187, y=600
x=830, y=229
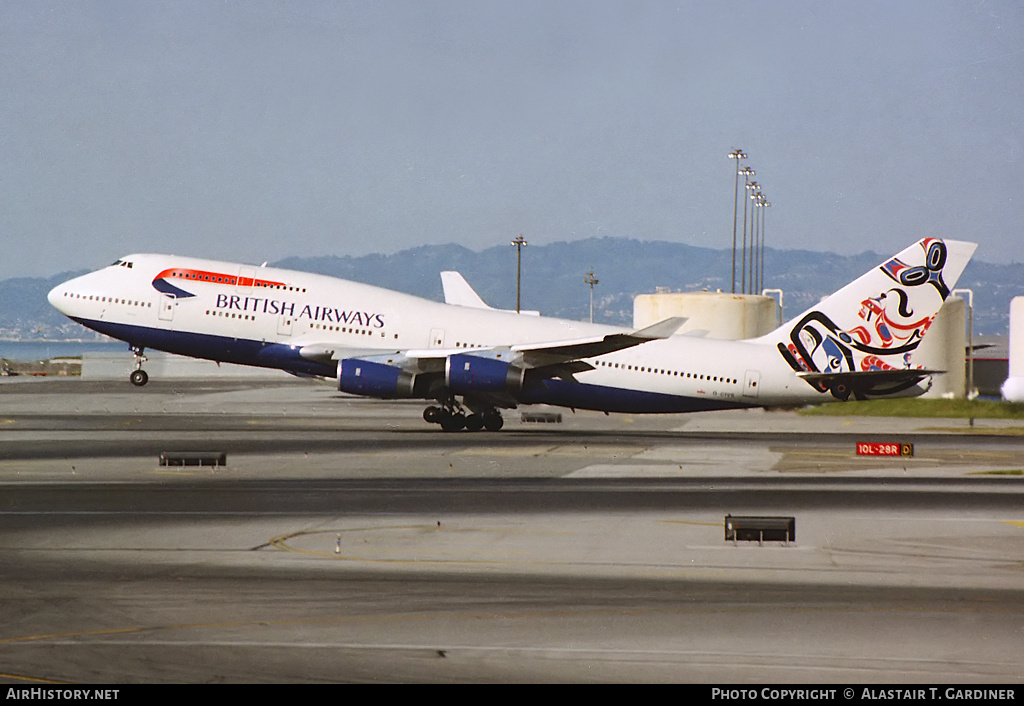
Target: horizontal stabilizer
x=866, y=383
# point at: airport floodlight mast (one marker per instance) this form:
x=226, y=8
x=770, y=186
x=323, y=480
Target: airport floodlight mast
x=746, y=173
x=736, y=154
x=590, y=279
x=520, y=243
x=751, y=187
x=765, y=203
x=755, y=243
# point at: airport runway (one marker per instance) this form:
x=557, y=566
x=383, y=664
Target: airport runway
x=347, y=541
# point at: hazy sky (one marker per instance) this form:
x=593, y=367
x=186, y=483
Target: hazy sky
x=255, y=130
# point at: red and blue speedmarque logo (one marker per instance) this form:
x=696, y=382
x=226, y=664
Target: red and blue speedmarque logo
x=162, y=283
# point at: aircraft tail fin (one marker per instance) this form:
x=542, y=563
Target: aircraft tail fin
x=876, y=322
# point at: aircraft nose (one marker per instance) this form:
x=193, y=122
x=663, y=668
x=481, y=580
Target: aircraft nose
x=56, y=297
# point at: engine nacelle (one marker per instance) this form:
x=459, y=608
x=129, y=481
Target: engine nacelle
x=466, y=373
x=365, y=377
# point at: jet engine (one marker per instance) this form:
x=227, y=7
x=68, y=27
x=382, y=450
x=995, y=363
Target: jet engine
x=466, y=374
x=365, y=377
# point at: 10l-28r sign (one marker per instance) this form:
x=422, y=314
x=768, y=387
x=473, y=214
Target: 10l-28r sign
x=865, y=448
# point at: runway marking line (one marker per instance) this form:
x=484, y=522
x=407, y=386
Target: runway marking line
x=281, y=542
x=84, y=633
x=691, y=522
x=977, y=604
x=34, y=680
x=535, y=450
x=836, y=454
x=980, y=430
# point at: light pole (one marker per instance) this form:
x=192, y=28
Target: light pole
x=753, y=242
x=755, y=276
x=590, y=279
x=755, y=211
x=765, y=203
x=736, y=154
x=520, y=244
x=750, y=186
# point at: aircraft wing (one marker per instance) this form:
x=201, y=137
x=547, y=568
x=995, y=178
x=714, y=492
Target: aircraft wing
x=527, y=355
x=536, y=355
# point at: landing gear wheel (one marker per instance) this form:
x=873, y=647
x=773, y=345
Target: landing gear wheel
x=453, y=422
x=451, y=416
x=492, y=420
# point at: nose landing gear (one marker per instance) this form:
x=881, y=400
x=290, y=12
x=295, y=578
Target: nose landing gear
x=139, y=377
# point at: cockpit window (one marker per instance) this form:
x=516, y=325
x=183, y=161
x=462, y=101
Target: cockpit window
x=121, y=263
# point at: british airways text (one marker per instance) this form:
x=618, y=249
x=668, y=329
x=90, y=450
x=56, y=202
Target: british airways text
x=263, y=305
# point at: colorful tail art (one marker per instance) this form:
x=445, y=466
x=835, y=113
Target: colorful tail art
x=870, y=328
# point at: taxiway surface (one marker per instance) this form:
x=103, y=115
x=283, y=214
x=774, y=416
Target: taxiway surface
x=346, y=540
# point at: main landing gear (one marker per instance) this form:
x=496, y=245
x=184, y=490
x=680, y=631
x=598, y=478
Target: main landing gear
x=139, y=377
x=452, y=417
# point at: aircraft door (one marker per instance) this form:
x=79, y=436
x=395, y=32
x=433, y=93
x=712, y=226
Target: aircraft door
x=436, y=338
x=751, y=381
x=284, y=324
x=166, y=310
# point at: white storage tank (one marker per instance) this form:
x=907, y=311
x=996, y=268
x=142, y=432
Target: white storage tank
x=1013, y=388
x=722, y=315
x=944, y=348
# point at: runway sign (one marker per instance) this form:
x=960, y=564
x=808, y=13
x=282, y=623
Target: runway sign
x=760, y=529
x=193, y=458
x=865, y=448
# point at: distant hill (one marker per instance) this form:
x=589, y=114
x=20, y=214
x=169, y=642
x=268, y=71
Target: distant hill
x=553, y=276
x=26, y=315
x=553, y=279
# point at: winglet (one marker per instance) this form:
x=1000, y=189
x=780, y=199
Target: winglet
x=662, y=329
x=458, y=292
x=536, y=355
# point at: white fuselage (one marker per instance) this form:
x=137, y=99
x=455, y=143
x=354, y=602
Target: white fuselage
x=265, y=316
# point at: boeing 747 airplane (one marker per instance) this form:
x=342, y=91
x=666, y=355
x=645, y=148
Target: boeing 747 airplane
x=472, y=360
